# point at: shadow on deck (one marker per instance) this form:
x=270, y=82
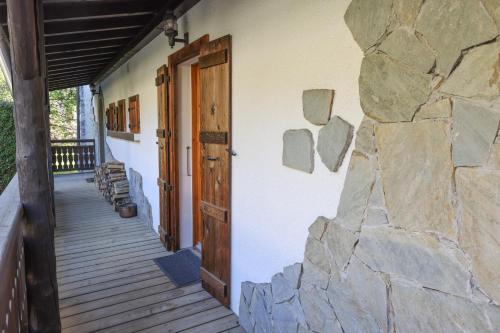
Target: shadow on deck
x=107, y=279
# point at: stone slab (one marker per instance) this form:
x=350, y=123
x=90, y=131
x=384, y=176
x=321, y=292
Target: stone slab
x=333, y=142
x=407, y=11
x=340, y=243
x=368, y=20
x=356, y=192
x=479, y=200
x=418, y=257
x=436, y=110
x=478, y=75
x=317, y=105
x=298, y=150
x=451, y=26
x=403, y=46
x=417, y=173
x=474, y=130
x=423, y=310
x=365, y=137
x=391, y=92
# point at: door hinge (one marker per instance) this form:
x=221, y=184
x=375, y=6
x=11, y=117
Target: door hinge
x=164, y=185
x=160, y=79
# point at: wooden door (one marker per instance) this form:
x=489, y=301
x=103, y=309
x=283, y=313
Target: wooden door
x=164, y=135
x=215, y=140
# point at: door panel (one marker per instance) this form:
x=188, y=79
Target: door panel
x=215, y=141
x=164, y=143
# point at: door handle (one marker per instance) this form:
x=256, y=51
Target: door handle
x=211, y=158
x=188, y=163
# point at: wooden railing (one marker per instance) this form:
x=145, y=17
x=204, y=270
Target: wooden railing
x=13, y=307
x=71, y=155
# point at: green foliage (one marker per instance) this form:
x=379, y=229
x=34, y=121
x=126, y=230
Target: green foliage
x=7, y=135
x=63, y=114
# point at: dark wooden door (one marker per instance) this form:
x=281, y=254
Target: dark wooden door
x=164, y=135
x=215, y=140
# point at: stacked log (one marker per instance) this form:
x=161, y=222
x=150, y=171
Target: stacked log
x=111, y=180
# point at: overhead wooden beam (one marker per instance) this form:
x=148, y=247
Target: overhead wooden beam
x=75, y=72
x=82, y=60
x=146, y=35
x=53, y=81
x=76, y=68
x=95, y=25
x=92, y=37
x=29, y=91
x=74, y=9
x=69, y=85
x=80, y=54
x=102, y=45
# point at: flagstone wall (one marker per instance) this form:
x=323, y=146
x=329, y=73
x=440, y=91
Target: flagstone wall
x=415, y=245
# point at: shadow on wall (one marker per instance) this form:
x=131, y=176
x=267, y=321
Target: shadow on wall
x=416, y=240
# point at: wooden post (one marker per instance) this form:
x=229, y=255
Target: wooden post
x=29, y=90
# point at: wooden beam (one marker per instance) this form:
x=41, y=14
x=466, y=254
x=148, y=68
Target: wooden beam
x=85, y=76
x=75, y=9
x=93, y=37
x=56, y=49
x=146, y=35
x=64, y=71
x=82, y=60
x=55, y=68
x=80, y=54
x=31, y=159
x=95, y=25
x=71, y=74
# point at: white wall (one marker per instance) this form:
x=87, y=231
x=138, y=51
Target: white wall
x=280, y=48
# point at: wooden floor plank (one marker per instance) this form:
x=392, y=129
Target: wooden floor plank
x=100, y=279
x=192, y=321
x=217, y=325
x=107, y=279
x=123, y=307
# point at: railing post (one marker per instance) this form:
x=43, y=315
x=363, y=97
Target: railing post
x=29, y=90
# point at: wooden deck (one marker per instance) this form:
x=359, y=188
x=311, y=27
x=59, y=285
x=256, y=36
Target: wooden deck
x=107, y=279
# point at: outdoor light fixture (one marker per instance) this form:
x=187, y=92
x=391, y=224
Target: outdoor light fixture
x=171, y=31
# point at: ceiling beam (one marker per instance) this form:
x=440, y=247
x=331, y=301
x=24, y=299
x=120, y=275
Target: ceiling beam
x=76, y=67
x=55, y=63
x=95, y=25
x=91, y=37
x=56, y=76
x=79, y=54
x=144, y=36
x=67, y=85
x=86, y=46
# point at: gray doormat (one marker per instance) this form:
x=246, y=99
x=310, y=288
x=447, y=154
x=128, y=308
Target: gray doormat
x=182, y=268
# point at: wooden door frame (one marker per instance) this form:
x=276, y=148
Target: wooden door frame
x=188, y=52
x=196, y=152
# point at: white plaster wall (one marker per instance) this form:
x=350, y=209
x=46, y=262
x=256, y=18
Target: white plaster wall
x=280, y=48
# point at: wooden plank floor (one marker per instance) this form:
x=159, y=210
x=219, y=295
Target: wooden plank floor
x=107, y=279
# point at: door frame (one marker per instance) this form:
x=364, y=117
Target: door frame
x=186, y=53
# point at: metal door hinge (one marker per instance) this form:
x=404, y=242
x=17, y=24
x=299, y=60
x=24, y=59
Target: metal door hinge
x=160, y=79
x=164, y=185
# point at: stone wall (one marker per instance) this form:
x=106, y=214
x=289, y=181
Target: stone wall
x=144, y=211
x=415, y=245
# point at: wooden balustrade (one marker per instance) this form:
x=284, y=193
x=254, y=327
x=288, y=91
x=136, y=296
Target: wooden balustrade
x=73, y=155
x=13, y=306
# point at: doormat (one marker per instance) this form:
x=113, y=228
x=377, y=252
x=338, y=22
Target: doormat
x=182, y=268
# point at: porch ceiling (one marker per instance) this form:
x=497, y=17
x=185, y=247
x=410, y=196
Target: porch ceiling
x=85, y=40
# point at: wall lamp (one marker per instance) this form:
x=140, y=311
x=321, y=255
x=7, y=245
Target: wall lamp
x=171, y=31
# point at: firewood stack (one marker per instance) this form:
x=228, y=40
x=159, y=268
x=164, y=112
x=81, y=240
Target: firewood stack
x=111, y=180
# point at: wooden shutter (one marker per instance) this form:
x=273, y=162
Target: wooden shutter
x=121, y=116
x=134, y=114
x=163, y=134
x=112, y=116
x=215, y=140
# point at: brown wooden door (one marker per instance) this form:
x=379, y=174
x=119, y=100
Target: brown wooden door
x=215, y=140
x=164, y=143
